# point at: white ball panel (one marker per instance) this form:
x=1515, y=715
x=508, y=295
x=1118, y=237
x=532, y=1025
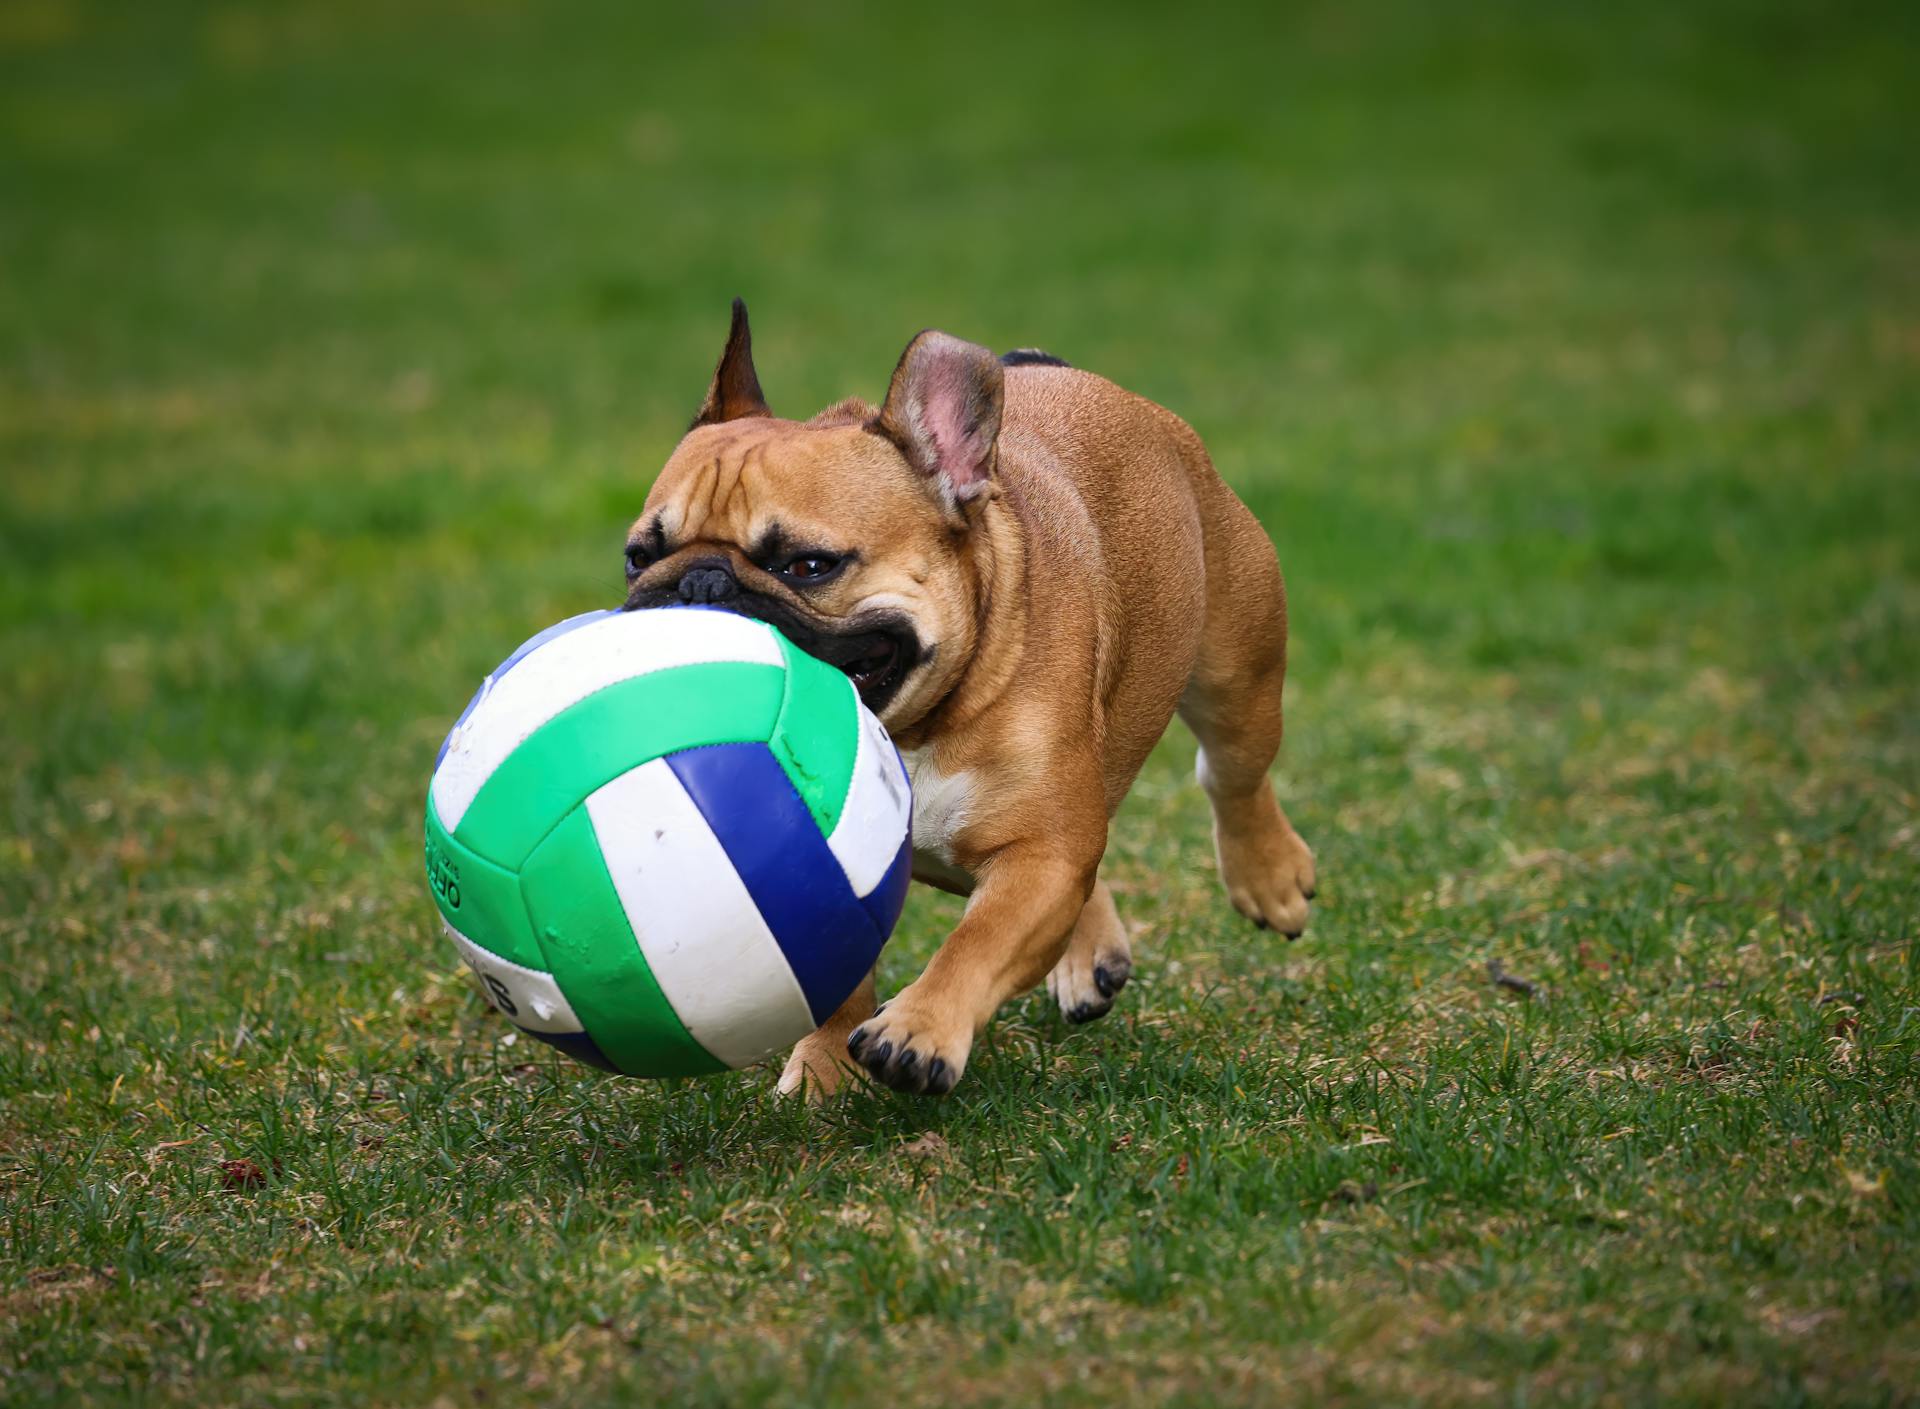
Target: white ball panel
x=527, y=997
x=569, y=668
x=878, y=810
x=709, y=948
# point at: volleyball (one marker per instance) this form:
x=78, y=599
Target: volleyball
x=667, y=842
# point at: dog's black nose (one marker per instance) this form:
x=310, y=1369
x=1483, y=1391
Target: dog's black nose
x=706, y=585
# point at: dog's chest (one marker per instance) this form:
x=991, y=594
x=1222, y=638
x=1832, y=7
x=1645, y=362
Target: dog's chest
x=941, y=805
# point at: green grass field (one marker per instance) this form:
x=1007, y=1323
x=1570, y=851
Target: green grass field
x=1571, y=354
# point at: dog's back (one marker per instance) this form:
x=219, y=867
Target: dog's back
x=1109, y=488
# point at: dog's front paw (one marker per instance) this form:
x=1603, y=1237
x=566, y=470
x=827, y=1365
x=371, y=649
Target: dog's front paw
x=1097, y=963
x=913, y=1045
x=1084, y=985
x=818, y=1067
x=1268, y=873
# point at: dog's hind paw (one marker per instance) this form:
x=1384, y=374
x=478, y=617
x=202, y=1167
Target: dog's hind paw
x=1269, y=876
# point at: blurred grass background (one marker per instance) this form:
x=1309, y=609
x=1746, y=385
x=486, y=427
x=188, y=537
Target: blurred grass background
x=1569, y=352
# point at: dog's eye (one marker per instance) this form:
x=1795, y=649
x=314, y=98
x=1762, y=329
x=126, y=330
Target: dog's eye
x=636, y=562
x=811, y=567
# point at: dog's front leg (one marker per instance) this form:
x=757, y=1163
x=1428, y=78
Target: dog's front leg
x=1015, y=928
x=819, y=1063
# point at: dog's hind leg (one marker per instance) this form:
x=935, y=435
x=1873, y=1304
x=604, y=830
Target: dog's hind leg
x=1232, y=704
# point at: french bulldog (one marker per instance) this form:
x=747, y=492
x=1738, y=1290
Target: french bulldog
x=1026, y=571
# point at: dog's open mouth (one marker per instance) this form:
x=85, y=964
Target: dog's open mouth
x=874, y=660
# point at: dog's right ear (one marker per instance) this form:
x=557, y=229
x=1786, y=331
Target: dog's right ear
x=736, y=386
x=943, y=413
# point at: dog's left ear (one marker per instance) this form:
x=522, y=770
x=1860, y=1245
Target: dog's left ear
x=736, y=386
x=943, y=412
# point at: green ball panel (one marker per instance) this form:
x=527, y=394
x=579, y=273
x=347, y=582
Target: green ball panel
x=608, y=733
x=590, y=949
x=818, y=734
x=478, y=898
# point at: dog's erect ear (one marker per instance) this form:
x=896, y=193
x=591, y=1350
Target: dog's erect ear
x=943, y=411
x=736, y=386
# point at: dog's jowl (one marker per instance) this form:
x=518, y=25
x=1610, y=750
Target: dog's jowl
x=1026, y=571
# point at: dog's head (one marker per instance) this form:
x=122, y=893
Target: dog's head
x=854, y=532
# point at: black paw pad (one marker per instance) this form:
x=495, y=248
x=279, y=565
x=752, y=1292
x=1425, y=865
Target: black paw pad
x=1087, y=1012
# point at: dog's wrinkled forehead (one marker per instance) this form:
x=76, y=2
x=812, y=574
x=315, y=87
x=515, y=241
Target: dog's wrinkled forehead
x=746, y=481
x=718, y=487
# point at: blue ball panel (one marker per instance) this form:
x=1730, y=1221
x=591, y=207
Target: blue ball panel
x=577, y=1045
x=885, y=901
x=796, y=882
